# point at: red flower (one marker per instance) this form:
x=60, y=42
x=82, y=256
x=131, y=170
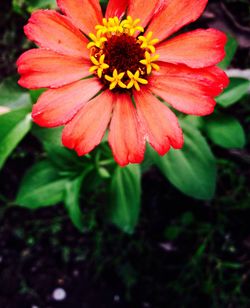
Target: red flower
x=129, y=69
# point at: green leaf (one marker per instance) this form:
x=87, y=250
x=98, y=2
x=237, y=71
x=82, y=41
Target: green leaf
x=225, y=131
x=49, y=135
x=230, y=49
x=13, y=96
x=104, y=2
x=187, y=218
x=237, y=88
x=125, y=196
x=192, y=169
x=41, y=186
x=232, y=265
x=14, y=126
x=37, y=4
x=196, y=121
x=31, y=5
x=104, y=173
x=200, y=251
x=72, y=204
x=172, y=232
x=63, y=158
x=34, y=95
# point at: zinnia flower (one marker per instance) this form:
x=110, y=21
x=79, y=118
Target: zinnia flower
x=108, y=73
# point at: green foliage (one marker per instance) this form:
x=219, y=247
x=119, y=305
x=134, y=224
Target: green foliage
x=225, y=131
x=14, y=126
x=192, y=169
x=41, y=186
x=34, y=94
x=230, y=49
x=13, y=96
x=104, y=2
x=72, y=204
x=172, y=232
x=52, y=135
x=15, y=122
x=125, y=194
x=65, y=159
x=237, y=88
x=36, y=4
x=187, y=218
x=19, y=6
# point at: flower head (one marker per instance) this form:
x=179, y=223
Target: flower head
x=127, y=67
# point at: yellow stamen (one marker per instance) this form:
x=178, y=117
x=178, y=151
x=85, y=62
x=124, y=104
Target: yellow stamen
x=147, y=43
x=97, y=40
x=101, y=29
x=148, y=62
x=112, y=25
x=131, y=25
x=115, y=80
x=99, y=65
x=135, y=80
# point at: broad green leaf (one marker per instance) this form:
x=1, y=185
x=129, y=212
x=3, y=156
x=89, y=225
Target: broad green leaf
x=60, y=156
x=72, y=204
x=237, y=88
x=64, y=158
x=49, y=135
x=197, y=122
x=41, y=186
x=230, y=48
x=225, y=131
x=10, y=120
x=14, y=126
x=193, y=168
x=125, y=196
x=13, y=96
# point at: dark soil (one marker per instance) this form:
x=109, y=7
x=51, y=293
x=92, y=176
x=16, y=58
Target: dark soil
x=41, y=251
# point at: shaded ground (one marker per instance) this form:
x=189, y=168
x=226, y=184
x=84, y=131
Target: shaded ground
x=182, y=248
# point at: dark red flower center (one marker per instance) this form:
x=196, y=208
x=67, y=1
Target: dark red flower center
x=124, y=54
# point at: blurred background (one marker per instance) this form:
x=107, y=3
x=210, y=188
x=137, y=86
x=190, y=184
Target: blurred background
x=185, y=250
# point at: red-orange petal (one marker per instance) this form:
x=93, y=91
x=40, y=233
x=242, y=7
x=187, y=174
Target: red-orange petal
x=188, y=90
x=175, y=15
x=86, y=130
x=51, y=30
x=199, y=48
x=56, y=107
x=144, y=10
x=116, y=8
x=159, y=122
x=217, y=76
x=42, y=68
x=126, y=137
x=85, y=14
x=210, y=81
